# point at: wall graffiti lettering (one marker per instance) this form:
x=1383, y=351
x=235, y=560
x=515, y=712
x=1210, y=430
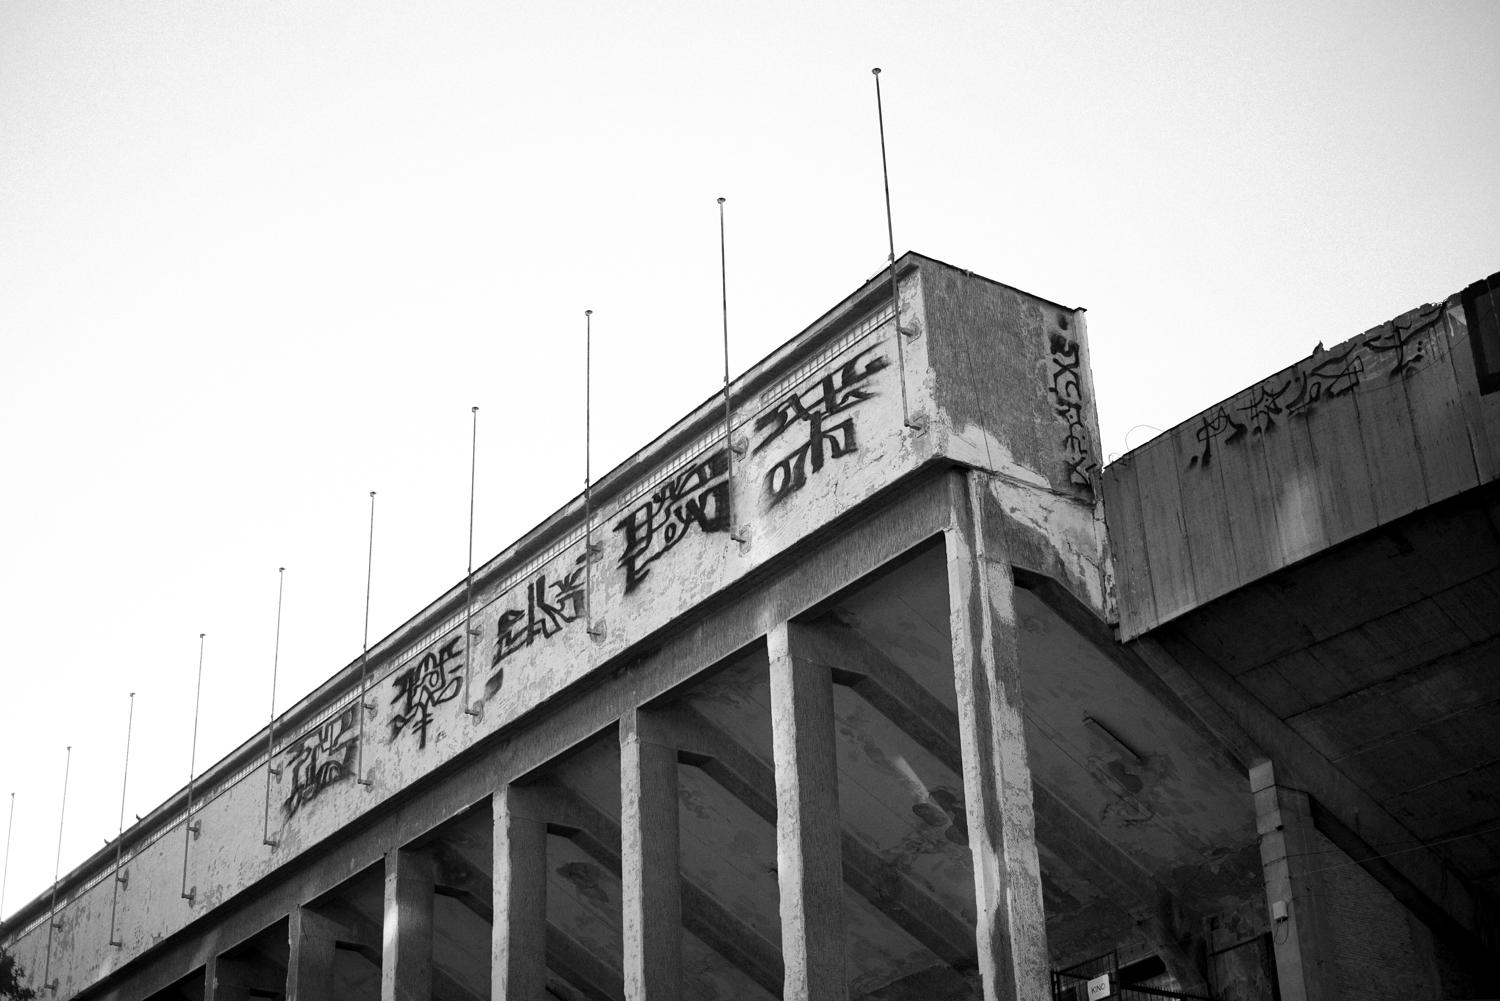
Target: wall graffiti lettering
x=1211, y=427
x=1067, y=399
x=697, y=496
x=833, y=394
x=1326, y=376
x=1331, y=377
x=1403, y=341
x=421, y=688
x=320, y=759
x=1263, y=409
x=549, y=607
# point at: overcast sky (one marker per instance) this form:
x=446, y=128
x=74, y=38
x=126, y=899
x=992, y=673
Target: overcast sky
x=258, y=259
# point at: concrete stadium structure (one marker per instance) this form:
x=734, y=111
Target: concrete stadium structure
x=864, y=700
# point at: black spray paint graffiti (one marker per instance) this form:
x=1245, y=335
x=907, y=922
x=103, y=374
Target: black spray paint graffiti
x=1404, y=342
x=1264, y=408
x=1211, y=427
x=321, y=759
x=833, y=394
x=1329, y=377
x=696, y=496
x=421, y=688
x=1067, y=399
x=549, y=607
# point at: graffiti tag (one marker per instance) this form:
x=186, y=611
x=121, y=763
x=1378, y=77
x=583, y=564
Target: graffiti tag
x=1326, y=376
x=1067, y=399
x=421, y=688
x=696, y=497
x=835, y=393
x=320, y=759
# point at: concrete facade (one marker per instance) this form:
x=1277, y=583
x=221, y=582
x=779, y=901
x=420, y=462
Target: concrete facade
x=843, y=704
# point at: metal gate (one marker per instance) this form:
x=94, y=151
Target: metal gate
x=1072, y=984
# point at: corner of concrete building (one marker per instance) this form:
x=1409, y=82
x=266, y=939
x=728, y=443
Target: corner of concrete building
x=1013, y=395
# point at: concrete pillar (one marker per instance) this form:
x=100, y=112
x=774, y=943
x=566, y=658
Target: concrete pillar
x=1010, y=928
x=651, y=872
x=310, y=948
x=406, y=932
x=220, y=982
x=518, y=948
x=808, y=855
x=1289, y=857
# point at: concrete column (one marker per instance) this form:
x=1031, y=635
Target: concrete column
x=808, y=856
x=220, y=982
x=309, y=964
x=651, y=871
x=518, y=956
x=1288, y=859
x=406, y=932
x=1010, y=928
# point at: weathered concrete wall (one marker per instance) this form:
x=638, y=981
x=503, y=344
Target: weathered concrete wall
x=978, y=374
x=1014, y=395
x=1347, y=439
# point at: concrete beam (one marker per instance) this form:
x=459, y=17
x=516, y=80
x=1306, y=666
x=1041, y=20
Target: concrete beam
x=702, y=915
x=716, y=927
x=937, y=983
x=748, y=779
x=472, y=901
x=563, y=991
x=580, y=968
x=895, y=694
x=1185, y=701
x=1419, y=876
x=652, y=876
x=1011, y=927
x=354, y=933
x=1379, y=865
x=597, y=836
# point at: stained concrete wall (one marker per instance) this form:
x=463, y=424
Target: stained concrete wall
x=977, y=374
x=1347, y=439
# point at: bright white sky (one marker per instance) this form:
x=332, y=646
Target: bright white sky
x=258, y=259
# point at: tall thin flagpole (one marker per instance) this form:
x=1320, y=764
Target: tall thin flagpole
x=364, y=657
x=271, y=768
x=5, y=876
x=588, y=480
x=890, y=233
x=471, y=707
x=189, y=828
x=56, y=872
x=729, y=450
x=120, y=837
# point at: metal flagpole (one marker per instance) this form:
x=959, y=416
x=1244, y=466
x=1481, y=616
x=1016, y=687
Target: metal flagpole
x=271, y=768
x=365, y=708
x=471, y=708
x=729, y=449
x=588, y=483
x=891, y=237
x=189, y=827
x=5, y=875
x=56, y=872
x=120, y=837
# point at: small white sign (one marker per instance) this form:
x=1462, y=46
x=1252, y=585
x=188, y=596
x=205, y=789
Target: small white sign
x=1099, y=987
